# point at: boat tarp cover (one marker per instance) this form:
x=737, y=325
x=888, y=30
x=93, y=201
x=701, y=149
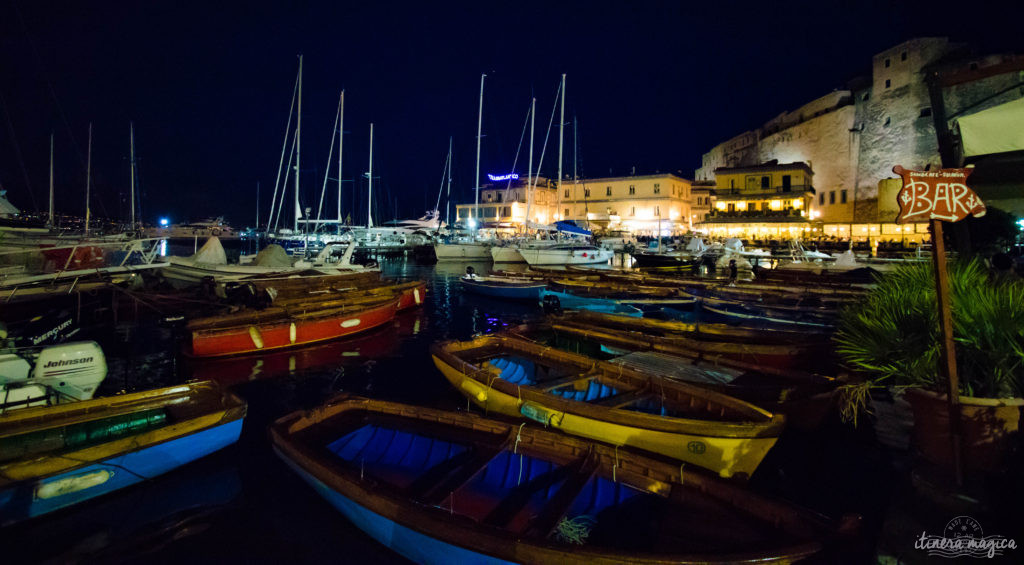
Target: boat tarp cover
x=212, y=253
x=569, y=227
x=272, y=255
x=670, y=366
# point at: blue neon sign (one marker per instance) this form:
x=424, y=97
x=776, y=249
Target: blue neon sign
x=496, y=178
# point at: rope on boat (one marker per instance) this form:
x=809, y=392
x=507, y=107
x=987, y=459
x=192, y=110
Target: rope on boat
x=575, y=530
x=515, y=451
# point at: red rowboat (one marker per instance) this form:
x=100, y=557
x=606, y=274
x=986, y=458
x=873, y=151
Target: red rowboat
x=209, y=340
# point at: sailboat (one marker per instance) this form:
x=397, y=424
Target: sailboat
x=469, y=248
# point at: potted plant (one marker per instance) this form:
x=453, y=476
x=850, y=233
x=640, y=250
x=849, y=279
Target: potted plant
x=893, y=338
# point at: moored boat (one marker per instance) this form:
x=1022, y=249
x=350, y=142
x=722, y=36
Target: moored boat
x=610, y=403
x=557, y=301
x=502, y=287
x=566, y=254
x=442, y=487
x=52, y=457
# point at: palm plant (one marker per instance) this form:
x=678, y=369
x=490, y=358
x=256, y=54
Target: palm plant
x=893, y=336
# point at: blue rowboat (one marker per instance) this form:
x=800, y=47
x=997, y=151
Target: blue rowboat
x=554, y=300
x=505, y=288
x=453, y=487
x=52, y=457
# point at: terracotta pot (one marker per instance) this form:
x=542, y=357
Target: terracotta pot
x=989, y=427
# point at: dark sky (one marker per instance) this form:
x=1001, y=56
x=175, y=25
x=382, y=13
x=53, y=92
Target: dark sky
x=652, y=85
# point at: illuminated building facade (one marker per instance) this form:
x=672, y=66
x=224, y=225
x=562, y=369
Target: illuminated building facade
x=770, y=200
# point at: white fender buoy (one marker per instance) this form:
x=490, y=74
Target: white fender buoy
x=254, y=335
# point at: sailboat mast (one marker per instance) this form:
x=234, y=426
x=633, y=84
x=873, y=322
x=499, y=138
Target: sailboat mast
x=298, y=150
x=479, y=131
x=88, y=179
x=529, y=175
x=131, y=182
x=341, y=138
x=49, y=219
x=257, y=205
x=369, y=195
x=448, y=196
x=561, y=135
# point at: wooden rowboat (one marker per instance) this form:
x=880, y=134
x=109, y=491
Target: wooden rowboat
x=766, y=375
x=610, y=403
x=704, y=331
x=52, y=457
x=504, y=287
x=452, y=487
x=257, y=331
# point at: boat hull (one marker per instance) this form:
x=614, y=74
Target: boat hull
x=462, y=251
x=507, y=291
x=604, y=306
x=238, y=340
x=566, y=256
x=506, y=255
x=726, y=456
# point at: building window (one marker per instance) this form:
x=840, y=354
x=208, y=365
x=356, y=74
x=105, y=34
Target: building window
x=887, y=121
x=732, y=207
x=787, y=183
x=657, y=188
x=842, y=196
x=821, y=199
x=925, y=112
x=888, y=83
x=732, y=183
x=657, y=211
x=903, y=56
x=766, y=182
x=566, y=214
x=608, y=191
x=632, y=189
x=497, y=197
x=506, y=212
x=832, y=197
x=751, y=206
x=632, y=210
x=887, y=63
x=567, y=193
x=586, y=192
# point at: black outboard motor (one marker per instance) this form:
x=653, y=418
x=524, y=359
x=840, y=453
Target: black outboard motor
x=551, y=304
x=470, y=272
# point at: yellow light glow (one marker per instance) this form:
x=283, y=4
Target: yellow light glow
x=721, y=206
x=798, y=203
x=776, y=204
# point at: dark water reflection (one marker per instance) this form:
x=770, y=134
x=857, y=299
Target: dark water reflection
x=243, y=505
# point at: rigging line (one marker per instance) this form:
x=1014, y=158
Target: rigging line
x=327, y=169
x=544, y=147
x=284, y=183
x=444, y=173
x=518, y=149
x=49, y=85
x=287, y=128
x=17, y=152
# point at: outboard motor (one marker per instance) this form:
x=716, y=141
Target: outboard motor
x=551, y=304
x=470, y=272
x=59, y=373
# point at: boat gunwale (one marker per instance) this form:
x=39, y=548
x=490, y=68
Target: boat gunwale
x=438, y=523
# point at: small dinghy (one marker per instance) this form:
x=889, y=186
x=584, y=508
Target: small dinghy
x=55, y=456
x=506, y=288
x=452, y=487
x=610, y=403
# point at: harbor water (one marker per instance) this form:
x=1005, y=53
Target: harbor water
x=242, y=505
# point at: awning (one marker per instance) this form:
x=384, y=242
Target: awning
x=996, y=130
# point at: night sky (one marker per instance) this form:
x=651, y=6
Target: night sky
x=652, y=85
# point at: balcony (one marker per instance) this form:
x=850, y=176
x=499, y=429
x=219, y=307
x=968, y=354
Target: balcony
x=739, y=216
x=792, y=191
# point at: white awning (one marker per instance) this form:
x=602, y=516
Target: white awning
x=997, y=130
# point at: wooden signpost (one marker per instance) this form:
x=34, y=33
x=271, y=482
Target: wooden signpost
x=941, y=196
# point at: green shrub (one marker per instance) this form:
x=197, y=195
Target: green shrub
x=894, y=335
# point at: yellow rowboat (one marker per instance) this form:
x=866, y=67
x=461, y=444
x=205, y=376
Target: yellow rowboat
x=56, y=456
x=610, y=403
